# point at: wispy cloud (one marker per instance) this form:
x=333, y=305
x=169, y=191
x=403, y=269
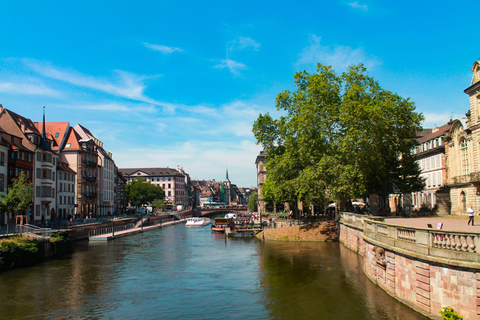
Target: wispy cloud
x=25, y=88
x=231, y=65
x=125, y=84
x=338, y=56
x=161, y=48
x=240, y=43
x=356, y=5
x=243, y=43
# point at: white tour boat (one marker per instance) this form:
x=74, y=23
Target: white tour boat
x=197, y=222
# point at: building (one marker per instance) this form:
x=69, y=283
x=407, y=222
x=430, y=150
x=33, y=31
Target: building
x=431, y=159
x=106, y=174
x=44, y=163
x=172, y=182
x=260, y=162
x=463, y=154
x=14, y=158
x=66, y=178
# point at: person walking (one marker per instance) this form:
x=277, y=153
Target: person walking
x=471, y=213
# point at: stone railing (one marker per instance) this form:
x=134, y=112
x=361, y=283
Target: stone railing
x=431, y=244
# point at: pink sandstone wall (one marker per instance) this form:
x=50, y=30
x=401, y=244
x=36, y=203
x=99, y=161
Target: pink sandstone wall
x=425, y=286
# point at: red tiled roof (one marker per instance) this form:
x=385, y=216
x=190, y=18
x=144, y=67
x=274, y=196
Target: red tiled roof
x=29, y=125
x=52, y=129
x=441, y=130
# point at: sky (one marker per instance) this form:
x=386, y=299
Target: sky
x=180, y=83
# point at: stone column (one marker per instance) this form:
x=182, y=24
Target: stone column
x=407, y=204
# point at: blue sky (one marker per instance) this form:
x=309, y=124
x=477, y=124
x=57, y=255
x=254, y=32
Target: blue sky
x=167, y=83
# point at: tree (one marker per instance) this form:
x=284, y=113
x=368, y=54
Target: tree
x=139, y=192
x=19, y=197
x=252, y=202
x=340, y=137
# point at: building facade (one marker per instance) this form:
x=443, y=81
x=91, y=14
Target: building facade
x=431, y=159
x=172, y=182
x=463, y=154
x=260, y=162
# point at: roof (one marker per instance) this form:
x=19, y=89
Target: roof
x=19, y=120
x=63, y=166
x=150, y=171
x=72, y=141
x=437, y=133
x=55, y=131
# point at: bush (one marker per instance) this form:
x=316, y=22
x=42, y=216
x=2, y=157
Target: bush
x=20, y=252
x=61, y=243
x=449, y=314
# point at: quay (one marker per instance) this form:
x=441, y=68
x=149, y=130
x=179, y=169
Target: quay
x=427, y=263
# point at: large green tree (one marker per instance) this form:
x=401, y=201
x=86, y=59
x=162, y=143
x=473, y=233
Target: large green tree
x=19, y=196
x=140, y=192
x=339, y=136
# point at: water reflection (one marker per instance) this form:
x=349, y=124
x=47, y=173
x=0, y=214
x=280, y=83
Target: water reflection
x=180, y=273
x=322, y=281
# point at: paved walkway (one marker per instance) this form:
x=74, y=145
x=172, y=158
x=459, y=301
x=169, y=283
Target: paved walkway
x=450, y=222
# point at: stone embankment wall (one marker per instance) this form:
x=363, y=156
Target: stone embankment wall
x=426, y=269
x=318, y=231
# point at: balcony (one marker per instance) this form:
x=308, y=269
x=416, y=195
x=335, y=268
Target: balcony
x=90, y=194
x=473, y=177
x=90, y=163
x=90, y=178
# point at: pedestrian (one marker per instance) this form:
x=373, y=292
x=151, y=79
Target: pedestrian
x=470, y=215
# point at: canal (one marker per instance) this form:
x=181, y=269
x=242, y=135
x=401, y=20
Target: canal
x=189, y=273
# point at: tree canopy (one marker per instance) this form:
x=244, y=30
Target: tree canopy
x=339, y=136
x=19, y=196
x=140, y=192
x=252, y=202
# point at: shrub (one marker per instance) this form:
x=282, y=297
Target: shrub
x=61, y=243
x=20, y=252
x=449, y=314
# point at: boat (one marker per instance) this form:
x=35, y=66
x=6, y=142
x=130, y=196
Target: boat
x=197, y=222
x=220, y=224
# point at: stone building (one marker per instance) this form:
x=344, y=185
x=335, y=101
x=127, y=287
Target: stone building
x=463, y=154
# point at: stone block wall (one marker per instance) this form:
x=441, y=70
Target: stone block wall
x=425, y=286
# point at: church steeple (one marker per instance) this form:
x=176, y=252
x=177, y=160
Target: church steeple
x=227, y=176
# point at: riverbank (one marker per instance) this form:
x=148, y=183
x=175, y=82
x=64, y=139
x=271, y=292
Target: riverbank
x=315, y=231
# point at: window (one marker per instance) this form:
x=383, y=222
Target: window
x=464, y=156
x=39, y=156
x=56, y=134
x=67, y=146
x=2, y=182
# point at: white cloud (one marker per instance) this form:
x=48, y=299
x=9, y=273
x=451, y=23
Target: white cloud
x=356, y=5
x=25, y=88
x=126, y=85
x=200, y=159
x=162, y=49
x=435, y=119
x=339, y=57
x=243, y=43
x=231, y=65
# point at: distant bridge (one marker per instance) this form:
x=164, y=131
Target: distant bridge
x=215, y=211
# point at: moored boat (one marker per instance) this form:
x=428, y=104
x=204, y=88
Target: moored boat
x=197, y=222
x=220, y=224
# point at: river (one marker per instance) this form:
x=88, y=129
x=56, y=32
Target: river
x=190, y=273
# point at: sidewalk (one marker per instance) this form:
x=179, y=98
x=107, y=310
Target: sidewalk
x=450, y=222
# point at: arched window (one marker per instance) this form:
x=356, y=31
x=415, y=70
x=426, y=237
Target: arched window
x=463, y=200
x=464, y=156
